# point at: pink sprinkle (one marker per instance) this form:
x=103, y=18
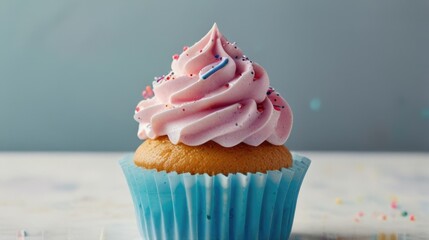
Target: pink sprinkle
x=383, y=217
x=360, y=214
x=412, y=218
x=185, y=48
x=277, y=107
x=356, y=219
x=394, y=205
x=227, y=85
x=175, y=56
x=137, y=109
x=147, y=93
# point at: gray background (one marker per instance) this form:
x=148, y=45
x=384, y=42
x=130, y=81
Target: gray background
x=356, y=73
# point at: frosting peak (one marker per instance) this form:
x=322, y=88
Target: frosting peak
x=214, y=92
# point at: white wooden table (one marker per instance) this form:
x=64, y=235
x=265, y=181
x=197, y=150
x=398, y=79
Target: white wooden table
x=85, y=196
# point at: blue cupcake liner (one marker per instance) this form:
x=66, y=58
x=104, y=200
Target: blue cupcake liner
x=199, y=206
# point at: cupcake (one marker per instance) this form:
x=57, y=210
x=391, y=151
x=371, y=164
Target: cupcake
x=213, y=164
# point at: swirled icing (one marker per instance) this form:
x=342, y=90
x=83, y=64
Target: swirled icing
x=205, y=99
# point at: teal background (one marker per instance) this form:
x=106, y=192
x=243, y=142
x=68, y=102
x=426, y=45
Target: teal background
x=356, y=73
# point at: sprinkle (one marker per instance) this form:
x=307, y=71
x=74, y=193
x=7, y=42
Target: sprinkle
x=338, y=201
x=185, y=48
x=175, y=56
x=236, y=124
x=394, y=198
x=147, y=93
x=412, y=218
x=217, y=56
x=239, y=106
x=102, y=233
x=201, y=50
x=383, y=217
x=315, y=104
x=159, y=79
x=168, y=78
x=137, y=109
x=227, y=85
x=425, y=113
x=215, y=69
x=360, y=214
x=394, y=205
x=183, y=109
x=21, y=235
x=404, y=213
x=278, y=107
x=381, y=236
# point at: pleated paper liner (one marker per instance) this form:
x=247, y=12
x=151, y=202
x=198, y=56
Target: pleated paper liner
x=199, y=206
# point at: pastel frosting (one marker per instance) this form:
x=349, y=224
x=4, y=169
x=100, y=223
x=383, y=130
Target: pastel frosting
x=214, y=93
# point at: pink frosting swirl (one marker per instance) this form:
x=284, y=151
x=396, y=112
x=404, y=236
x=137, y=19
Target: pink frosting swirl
x=204, y=99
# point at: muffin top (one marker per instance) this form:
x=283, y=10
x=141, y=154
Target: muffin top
x=214, y=93
x=211, y=158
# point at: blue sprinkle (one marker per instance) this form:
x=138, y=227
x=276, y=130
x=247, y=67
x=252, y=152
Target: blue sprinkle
x=215, y=69
x=425, y=113
x=315, y=104
x=217, y=56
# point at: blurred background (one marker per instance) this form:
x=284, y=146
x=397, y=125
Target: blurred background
x=356, y=73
